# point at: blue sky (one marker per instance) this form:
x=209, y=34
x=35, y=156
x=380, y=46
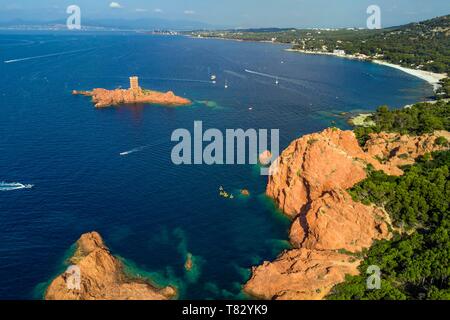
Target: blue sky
x=234, y=13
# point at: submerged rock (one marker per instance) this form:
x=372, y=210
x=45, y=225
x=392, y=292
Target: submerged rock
x=189, y=264
x=245, y=193
x=96, y=274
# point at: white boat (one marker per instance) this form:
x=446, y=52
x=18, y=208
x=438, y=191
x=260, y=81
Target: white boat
x=226, y=84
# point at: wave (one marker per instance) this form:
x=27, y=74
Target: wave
x=9, y=186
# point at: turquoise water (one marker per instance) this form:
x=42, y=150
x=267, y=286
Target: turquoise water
x=149, y=211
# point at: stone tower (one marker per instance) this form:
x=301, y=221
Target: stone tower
x=134, y=83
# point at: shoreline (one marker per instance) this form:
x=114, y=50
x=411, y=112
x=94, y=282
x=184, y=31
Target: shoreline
x=431, y=77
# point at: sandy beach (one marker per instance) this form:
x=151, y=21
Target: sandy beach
x=430, y=77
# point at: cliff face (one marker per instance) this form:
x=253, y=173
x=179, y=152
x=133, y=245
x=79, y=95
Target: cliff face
x=102, y=277
x=313, y=165
x=104, y=98
x=335, y=222
x=309, y=186
x=300, y=274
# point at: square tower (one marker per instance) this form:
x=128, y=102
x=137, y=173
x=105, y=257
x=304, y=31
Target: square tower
x=134, y=83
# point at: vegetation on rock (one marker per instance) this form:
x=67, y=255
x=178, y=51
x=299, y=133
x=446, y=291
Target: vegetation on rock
x=418, y=119
x=414, y=265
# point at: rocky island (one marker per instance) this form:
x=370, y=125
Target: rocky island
x=101, y=277
x=330, y=230
x=135, y=94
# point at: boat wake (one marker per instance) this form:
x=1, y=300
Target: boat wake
x=7, y=186
x=261, y=74
x=46, y=56
x=236, y=74
x=139, y=149
x=176, y=80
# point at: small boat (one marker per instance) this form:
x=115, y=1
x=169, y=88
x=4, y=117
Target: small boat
x=213, y=77
x=277, y=82
x=226, y=84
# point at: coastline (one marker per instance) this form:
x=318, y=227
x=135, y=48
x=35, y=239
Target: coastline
x=431, y=77
x=428, y=76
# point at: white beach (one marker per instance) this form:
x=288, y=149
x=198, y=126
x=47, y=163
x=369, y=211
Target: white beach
x=431, y=77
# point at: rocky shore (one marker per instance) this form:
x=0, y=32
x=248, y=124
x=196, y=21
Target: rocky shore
x=102, y=98
x=101, y=276
x=329, y=230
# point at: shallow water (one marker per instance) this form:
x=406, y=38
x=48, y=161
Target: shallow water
x=149, y=211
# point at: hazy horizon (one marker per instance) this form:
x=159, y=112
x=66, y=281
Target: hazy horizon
x=232, y=13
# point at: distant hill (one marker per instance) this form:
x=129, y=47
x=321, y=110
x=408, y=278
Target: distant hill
x=121, y=24
x=422, y=45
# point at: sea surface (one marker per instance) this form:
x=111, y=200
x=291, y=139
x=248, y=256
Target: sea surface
x=62, y=173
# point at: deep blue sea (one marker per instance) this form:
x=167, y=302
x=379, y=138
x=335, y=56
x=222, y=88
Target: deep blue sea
x=149, y=211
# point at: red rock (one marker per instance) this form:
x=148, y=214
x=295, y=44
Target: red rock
x=265, y=157
x=245, y=192
x=300, y=274
x=336, y=222
x=102, y=277
x=315, y=164
x=309, y=186
x=189, y=264
x=394, y=150
x=105, y=98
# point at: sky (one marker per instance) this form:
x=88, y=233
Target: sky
x=234, y=13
